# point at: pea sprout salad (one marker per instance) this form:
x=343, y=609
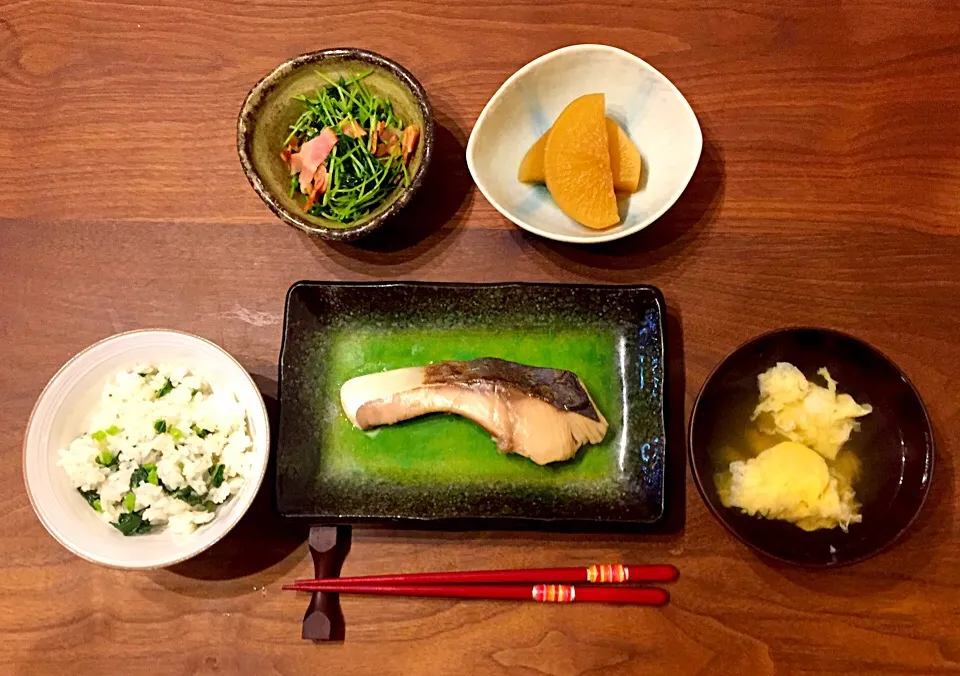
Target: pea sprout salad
x=348, y=151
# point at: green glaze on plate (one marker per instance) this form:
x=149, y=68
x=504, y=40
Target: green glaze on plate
x=448, y=448
x=444, y=467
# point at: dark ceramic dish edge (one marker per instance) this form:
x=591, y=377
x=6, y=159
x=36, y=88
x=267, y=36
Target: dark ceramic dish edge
x=247, y=115
x=720, y=517
x=484, y=523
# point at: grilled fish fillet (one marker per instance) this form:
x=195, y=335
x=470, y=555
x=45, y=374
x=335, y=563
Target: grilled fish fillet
x=541, y=413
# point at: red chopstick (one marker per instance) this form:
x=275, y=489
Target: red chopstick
x=544, y=593
x=610, y=573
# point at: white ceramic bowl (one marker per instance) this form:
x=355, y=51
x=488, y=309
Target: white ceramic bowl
x=645, y=103
x=65, y=406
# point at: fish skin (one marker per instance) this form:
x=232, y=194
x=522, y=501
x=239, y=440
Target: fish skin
x=561, y=389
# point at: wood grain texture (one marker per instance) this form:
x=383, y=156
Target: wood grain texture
x=828, y=194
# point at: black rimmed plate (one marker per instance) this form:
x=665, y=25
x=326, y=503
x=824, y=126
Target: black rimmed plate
x=444, y=470
x=895, y=444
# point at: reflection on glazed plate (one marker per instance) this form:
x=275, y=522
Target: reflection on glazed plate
x=647, y=105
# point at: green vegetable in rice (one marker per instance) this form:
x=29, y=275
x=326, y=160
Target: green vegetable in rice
x=140, y=475
x=107, y=458
x=145, y=474
x=92, y=498
x=216, y=475
x=200, y=432
x=188, y=495
x=165, y=389
x=100, y=436
x=160, y=426
x=133, y=523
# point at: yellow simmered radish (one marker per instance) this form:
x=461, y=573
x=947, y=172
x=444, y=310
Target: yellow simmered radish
x=625, y=162
x=576, y=163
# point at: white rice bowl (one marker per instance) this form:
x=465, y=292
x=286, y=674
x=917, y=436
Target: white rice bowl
x=60, y=453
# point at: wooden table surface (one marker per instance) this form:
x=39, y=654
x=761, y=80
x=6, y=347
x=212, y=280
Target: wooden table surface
x=828, y=194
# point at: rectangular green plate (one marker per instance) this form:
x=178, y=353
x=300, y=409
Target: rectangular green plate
x=443, y=468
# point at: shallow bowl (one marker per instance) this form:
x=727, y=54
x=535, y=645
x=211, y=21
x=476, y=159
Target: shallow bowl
x=646, y=104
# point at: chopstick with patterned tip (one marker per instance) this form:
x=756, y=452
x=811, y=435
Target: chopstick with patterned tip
x=542, y=593
x=611, y=573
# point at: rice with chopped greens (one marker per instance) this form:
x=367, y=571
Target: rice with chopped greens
x=162, y=448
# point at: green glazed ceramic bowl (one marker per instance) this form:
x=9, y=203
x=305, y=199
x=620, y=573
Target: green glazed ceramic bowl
x=270, y=109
